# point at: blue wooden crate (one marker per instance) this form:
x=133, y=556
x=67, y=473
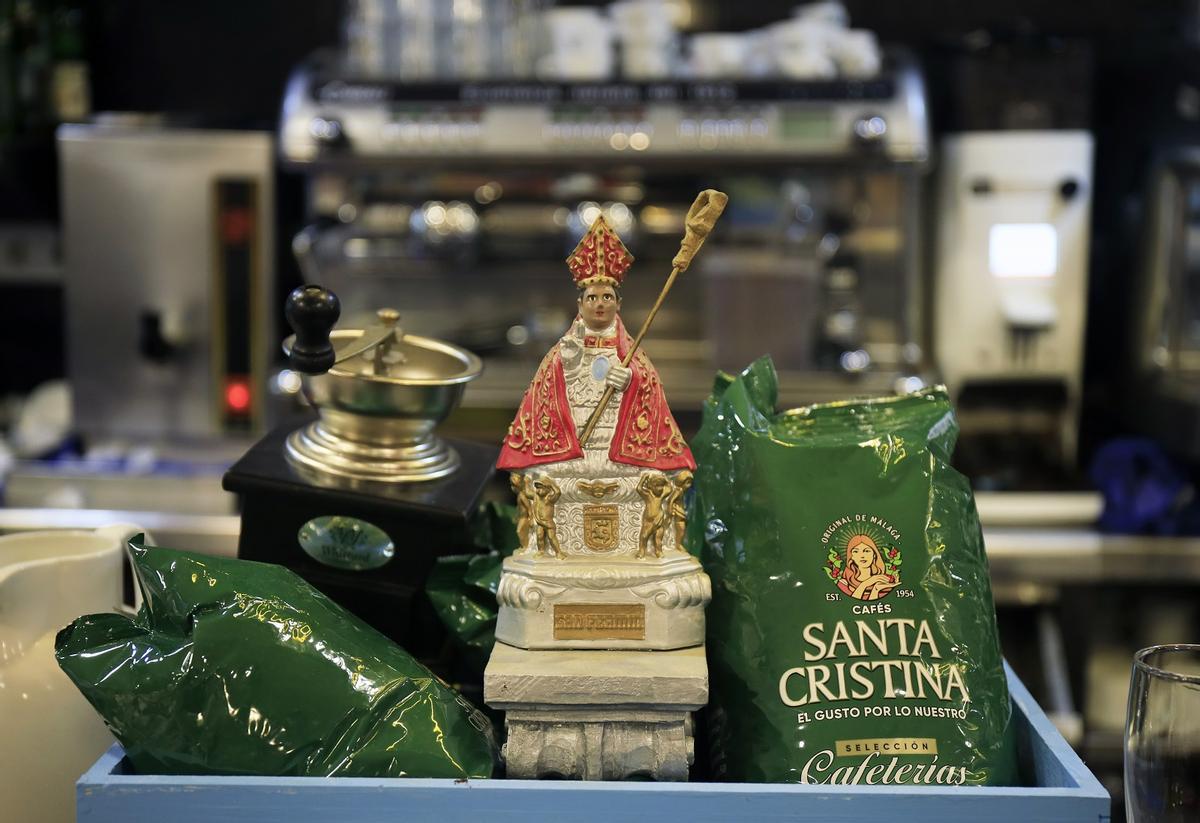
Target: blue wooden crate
x=1064, y=791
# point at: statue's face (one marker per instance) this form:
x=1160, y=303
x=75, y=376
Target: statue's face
x=598, y=305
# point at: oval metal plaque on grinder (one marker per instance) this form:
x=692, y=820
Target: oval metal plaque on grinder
x=346, y=543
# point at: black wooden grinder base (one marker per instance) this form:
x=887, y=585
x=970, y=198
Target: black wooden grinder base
x=424, y=521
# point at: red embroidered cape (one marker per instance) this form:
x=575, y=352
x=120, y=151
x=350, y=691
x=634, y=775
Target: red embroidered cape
x=646, y=433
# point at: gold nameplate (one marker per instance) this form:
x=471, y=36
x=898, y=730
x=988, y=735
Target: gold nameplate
x=895, y=746
x=600, y=528
x=599, y=621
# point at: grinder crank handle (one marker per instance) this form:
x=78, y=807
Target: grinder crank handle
x=312, y=311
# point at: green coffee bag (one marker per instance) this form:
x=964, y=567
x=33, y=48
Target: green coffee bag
x=234, y=667
x=852, y=633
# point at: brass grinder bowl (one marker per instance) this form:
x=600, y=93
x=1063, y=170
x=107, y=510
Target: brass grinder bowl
x=380, y=428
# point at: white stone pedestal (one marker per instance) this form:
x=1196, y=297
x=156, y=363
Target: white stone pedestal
x=599, y=660
x=602, y=603
x=597, y=715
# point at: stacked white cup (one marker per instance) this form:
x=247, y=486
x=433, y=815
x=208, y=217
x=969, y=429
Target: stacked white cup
x=802, y=48
x=579, y=45
x=649, y=38
x=720, y=54
x=857, y=53
x=818, y=43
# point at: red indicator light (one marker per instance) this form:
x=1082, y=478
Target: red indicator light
x=237, y=224
x=237, y=396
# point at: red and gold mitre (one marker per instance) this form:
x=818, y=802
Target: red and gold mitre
x=600, y=256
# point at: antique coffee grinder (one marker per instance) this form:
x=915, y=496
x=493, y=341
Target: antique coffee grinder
x=361, y=497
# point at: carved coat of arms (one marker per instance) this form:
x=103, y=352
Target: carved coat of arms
x=600, y=526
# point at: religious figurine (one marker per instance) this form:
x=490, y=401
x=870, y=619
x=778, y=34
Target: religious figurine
x=602, y=566
x=572, y=377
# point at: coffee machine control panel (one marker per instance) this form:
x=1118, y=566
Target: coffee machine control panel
x=333, y=119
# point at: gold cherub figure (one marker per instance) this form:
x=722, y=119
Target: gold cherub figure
x=683, y=481
x=522, y=486
x=656, y=492
x=545, y=495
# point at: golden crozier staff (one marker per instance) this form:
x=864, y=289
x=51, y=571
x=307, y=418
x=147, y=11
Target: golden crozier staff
x=700, y=219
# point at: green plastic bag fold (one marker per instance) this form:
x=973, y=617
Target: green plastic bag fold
x=234, y=667
x=462, y=588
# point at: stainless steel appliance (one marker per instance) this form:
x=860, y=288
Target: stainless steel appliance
x=1011, y=279
x=1010, y=266
x=457, y=202
x=168, y=252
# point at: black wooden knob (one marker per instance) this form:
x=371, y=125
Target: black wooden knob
x=311, y=311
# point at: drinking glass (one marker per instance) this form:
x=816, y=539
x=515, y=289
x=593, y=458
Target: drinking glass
x=1162, y=736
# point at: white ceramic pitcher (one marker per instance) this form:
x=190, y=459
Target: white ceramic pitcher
x=49, y=735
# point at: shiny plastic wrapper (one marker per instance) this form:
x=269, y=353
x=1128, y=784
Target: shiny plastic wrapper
x=463, y=587
x=233, y=667
x=852, y=633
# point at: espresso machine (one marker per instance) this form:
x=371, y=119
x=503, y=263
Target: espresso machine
x=1011, y=286
x=168, y=235
x=1010, y=264
x=168, y=242
x=461, y=199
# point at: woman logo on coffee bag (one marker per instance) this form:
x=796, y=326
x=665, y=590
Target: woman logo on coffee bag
x=861, y=564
